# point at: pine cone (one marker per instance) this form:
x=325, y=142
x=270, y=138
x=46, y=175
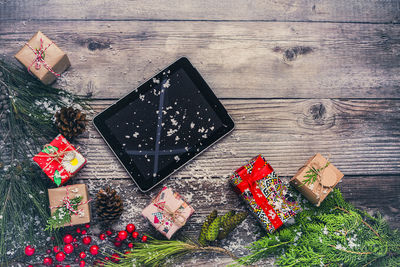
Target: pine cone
x=226, y=217
x=70, y=122
x=210, y=218
x=109, y=205
x=231, y=223
x=213, y=229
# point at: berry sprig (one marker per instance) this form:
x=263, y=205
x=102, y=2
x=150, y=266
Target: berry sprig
x=81, y=248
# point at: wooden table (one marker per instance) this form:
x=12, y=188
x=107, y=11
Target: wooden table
x=297, y=76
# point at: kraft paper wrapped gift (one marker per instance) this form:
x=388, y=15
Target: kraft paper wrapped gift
x=43, y=58
x=168, y=212
x=326, y=176
x=58, y=196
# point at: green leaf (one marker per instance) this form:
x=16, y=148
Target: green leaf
x=57, y=178
x=50, y=149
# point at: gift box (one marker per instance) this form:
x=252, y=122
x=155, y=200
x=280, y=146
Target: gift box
x=168, y=212
x=60, y=160
x=43, y=58
x=316, y=179
x=264, y=193
x=72, y=200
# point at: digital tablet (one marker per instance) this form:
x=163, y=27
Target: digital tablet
x=163, y=124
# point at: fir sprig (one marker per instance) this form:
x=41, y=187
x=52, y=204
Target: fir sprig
x=62, y=215
x=27, y=110
x=162, y=253
x=312, y=174
x=336, y=233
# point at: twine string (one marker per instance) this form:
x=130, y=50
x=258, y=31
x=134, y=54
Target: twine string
x=38, y=61
x=55, y=155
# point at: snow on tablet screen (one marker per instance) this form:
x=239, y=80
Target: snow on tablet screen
x=165, y=122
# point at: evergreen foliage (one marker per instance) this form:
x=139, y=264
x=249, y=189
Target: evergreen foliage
x=62, y=215
x=333, y=234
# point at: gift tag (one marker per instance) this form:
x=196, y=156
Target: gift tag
x=328, y=178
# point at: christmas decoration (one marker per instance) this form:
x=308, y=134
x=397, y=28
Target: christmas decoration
x=74, y=207
x=122, y=235
x=82, y=255
x=109, y=205
x=70, y=122
x=210, y=218
x=102, y=236
x=135, y=235
x=68, y=238
x=334, y=234
x=68, y=248
x=213, y=229
x=108, y=232
x=265, y=194
x=60, y=160
x=60, y=256
x=144, y=238
x=43, y=58
x=167, y=212
x=316, y=179
x=29, y=250
x=48, y=261
x=87, y=240
x=130, y=228
x=94, y=250
x=230, y=223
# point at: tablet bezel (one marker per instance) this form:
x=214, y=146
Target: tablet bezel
x=208, y=94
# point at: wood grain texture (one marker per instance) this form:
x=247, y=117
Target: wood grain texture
x=237, y=59
x=361, y=136
x=271, y=10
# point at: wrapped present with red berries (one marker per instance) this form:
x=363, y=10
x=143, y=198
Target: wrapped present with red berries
x=168, y=212
x=265, y=194
x=60, y=160
x=69, y=206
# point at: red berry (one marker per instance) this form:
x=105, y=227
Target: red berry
x=130, y=228
x=56, y=249
x=82, y=255
x=48, y=261
x=127, y=252
x=76, y=260
x=144, y=238
x=117, y=244
x=82, y=263
x=130, y=245
x=30, y=265
x=102, y=236
x=68, y=248
x=68, y=265
x=122, y=235
x=86, y=240
x=29, y=250
x=115, y=257
x=48, y=251
x=108, y=232
x=106, y=258
x=78, y=230
x=83, y=232
x=60, y=256
x=75, y=240
x=58, y=265
x=135, y=235
x=94, y=250
x=76, y=245
x=68, y=239
x=87, y=226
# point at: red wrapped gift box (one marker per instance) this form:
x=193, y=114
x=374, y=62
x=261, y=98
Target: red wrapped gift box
x=60, y=160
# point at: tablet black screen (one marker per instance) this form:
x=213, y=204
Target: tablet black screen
x=167, y=121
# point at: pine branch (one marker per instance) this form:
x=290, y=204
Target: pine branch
x=312, y=174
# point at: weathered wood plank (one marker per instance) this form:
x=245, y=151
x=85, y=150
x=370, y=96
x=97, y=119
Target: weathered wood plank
x=361, y=135
x=238, y=59
x=284, y=10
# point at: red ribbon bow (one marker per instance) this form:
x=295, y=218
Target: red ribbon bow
x=39, y=58
x=260, y=170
